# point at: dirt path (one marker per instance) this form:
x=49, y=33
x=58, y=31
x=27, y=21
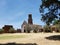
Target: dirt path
x=38, y=38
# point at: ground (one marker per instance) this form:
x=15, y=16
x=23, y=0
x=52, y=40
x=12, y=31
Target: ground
x=37, y=38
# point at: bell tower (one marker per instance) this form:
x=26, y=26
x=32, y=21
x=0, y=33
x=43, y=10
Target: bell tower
x=30, y=21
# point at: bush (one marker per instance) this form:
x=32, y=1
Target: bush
x=35, y=29
x=47, y=31
x=12, y=30
x=1, y=31
x=47, y=28
x=28, y=28
x=18, y=30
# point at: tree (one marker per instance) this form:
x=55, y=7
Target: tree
x=56, y=22
x=1, y=31
x=28, y=28
x=47, y=28
x=35, y=28
x=11, y=30
x=49, y=10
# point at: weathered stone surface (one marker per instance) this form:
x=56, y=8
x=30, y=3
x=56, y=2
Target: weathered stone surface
x=30, y=21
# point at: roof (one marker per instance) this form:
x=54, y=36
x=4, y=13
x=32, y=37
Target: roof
x=24, y=23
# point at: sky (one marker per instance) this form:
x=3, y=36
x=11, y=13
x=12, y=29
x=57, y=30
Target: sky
x=14, y=12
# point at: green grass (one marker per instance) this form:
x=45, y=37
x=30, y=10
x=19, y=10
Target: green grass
x=2, y=37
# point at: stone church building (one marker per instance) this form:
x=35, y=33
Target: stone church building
x=30, y=23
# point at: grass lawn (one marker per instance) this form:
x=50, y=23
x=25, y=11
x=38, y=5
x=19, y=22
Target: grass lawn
x=38, y=38
x=7, y=36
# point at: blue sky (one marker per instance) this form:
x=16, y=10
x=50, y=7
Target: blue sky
x=14, y=12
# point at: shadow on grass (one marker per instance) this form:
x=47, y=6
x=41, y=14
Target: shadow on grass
x=19, y=44
x=54, y=37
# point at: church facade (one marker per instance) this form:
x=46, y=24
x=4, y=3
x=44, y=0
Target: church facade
x=30, y=24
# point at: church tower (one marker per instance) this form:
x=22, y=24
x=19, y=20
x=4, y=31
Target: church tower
x=30, y=21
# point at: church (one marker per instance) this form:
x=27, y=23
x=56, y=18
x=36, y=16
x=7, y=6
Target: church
x=31, y=25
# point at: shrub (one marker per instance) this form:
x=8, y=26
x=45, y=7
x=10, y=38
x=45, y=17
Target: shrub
x=58, y=28
x=47, y=28
x=1, y=31
x=18, y=30
x=12, y=30
x=28, y=28
x=35, y=29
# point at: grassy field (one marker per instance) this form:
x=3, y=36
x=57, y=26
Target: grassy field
x=3, y=37
x=38, y=38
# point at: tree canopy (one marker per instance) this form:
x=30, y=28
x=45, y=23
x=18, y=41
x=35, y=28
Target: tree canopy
x=50, y=10
x=56, y=22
